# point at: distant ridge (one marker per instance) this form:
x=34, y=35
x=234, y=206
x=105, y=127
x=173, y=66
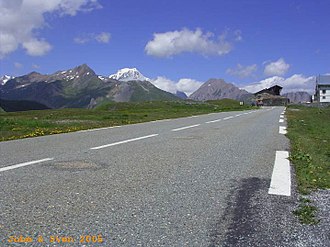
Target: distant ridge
x=215, y=89
x=298, y=97
x=21, y=105
x=181, y=95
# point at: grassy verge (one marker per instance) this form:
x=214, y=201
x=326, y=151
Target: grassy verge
x=18, y=125
x=309, y=134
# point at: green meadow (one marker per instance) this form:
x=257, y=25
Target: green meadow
x=17, y=125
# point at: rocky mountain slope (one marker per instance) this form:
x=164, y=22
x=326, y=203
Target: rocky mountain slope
x=298, y=97
x=218, y=89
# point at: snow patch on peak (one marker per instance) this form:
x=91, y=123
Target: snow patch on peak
x=102, y=78
x=5, y=78
x=128, y=74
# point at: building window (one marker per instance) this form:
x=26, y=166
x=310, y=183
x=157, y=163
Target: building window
x=324, y=91
x=323, y=97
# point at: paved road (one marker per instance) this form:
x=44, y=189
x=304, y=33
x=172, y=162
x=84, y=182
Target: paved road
x=198, y=181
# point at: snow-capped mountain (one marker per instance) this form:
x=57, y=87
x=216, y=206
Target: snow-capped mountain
x=128, y=74
x=5, y=78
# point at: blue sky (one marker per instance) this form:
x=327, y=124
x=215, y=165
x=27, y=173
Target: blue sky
x=180, y=44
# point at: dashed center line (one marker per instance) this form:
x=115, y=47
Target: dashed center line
x=24, y=164
x=125, y=141
x=282, y=130
x=226, y=118
x=186, y=127
x=214, y=121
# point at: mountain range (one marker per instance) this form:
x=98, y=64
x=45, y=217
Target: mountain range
x=81, y=87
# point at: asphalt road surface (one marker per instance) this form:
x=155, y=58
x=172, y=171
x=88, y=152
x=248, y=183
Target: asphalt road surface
x=197, y=181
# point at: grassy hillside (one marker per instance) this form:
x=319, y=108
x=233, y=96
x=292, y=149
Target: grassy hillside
x=17, y=125
x=145, y=91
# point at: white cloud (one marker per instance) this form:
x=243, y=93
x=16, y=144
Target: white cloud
x=238, y=35
x=172, y=43
x=266, y=83
x=102, y=37
x=18, y=65
x=164, y=84
x=36, y=47
x=8, y=43
x=81, y=40
x=295, y=83
x=279, y=68
x=19, y=21
x=188, y=86
x=35, y=66
x=299, y=82
x=242, y=71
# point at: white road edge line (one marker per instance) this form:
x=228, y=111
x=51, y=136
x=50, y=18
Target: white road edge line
x=105, y=128
x=186, y=127
x=213, y=121
x=125, y=141
x=160, y=120
x=24, y=164
x=282, y=130
x=281, y=177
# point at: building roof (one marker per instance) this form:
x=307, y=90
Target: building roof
x=323, y=80
x=274, y=90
